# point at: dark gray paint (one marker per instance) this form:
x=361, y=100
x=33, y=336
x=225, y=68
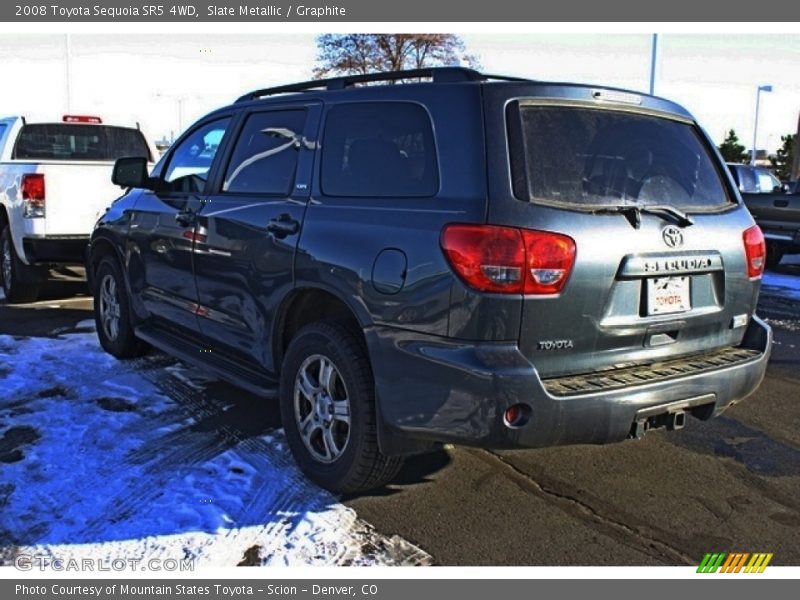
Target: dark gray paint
x=472, y=355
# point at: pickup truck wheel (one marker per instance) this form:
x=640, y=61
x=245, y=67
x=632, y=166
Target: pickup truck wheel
x=112, y=312
x=327, y=398
x=774, y=255
x=11, y=271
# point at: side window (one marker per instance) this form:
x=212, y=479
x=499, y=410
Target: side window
x=191, y=160
x=767, y=182
x=3, y=127
x=264, y=158
x=379, y=149
x=747, y=180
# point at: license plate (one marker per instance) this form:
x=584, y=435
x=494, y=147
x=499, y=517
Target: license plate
x=668, y=295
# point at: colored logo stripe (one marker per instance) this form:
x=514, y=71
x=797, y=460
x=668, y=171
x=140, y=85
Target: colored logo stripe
x=758, y=563
x=711, y=562
x=733, y=563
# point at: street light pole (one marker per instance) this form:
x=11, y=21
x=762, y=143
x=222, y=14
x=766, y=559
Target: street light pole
x=761, y=88
x=67, y=73
x=180, y=101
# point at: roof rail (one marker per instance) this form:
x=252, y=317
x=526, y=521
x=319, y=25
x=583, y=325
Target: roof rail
x=437, y=74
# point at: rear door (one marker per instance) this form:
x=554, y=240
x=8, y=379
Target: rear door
x=645, y=283
x=162, y=229
x=778, y=215
x=249, y=226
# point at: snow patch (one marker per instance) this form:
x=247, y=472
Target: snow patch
x=112, y=466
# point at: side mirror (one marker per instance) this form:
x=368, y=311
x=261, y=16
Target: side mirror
x=131, y=172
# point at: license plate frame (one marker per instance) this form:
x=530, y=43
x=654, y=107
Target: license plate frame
x=669, y=295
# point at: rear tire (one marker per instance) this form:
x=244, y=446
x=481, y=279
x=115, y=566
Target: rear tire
x=327, y=398
x=12, y=270
x=112, y=314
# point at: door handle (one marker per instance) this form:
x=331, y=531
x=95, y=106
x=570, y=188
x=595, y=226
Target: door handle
x=781, y=203
x=282, y=226
x=186, y=218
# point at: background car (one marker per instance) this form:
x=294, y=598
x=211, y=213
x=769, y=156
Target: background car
x=754, y=180
x=54, y=185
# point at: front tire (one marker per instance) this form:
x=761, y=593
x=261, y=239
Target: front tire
x=327, y=398
x=112, y=315
x=12, y=270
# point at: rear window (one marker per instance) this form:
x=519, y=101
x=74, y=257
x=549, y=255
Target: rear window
x=589, y=157
x=67, y=141
x=379, y=149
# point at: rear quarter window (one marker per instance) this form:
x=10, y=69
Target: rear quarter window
x=586, y=157
x=379, y=149
x=68, y=141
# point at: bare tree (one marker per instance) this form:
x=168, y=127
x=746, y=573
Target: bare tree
x=358, y=53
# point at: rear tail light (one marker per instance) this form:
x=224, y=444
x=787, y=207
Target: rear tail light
x=509, y=260
x=32, y=189
x=550, y=257
x=755, y=250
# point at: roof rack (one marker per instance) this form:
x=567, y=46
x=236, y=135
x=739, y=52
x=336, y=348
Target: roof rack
x=437, y=74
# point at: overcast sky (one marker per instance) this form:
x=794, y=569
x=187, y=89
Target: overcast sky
x=161, y=79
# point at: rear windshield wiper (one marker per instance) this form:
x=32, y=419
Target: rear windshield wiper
x=633, y=212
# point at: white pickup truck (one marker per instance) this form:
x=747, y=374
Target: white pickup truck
x=55, y=181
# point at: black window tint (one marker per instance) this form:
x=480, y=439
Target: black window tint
x=379, y=149
x=264, y=159
x=70, y=141
x=593, y=157
x=191, y=160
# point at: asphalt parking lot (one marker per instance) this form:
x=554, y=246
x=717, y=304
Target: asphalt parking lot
x=730, y=484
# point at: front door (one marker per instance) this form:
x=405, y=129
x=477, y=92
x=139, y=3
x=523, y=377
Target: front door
x=163, y=229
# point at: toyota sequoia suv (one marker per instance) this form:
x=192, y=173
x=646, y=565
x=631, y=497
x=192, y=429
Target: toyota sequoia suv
x=457, y=258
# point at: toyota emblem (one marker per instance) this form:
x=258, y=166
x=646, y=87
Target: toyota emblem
x=673, y=237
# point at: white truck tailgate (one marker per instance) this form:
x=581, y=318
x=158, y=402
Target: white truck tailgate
x=76, y=193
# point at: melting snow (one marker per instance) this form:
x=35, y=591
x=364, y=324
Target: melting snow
x=132, y=459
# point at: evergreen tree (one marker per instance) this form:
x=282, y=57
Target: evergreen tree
x=731, y=150
x=784, y=158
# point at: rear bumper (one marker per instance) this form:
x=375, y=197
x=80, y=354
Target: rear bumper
x=56, y=249
x=435, y=389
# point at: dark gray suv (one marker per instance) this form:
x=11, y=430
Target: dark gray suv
x=456, y=258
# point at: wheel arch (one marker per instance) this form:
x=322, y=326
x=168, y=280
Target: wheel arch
x=307, y=304
x=101, y=247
